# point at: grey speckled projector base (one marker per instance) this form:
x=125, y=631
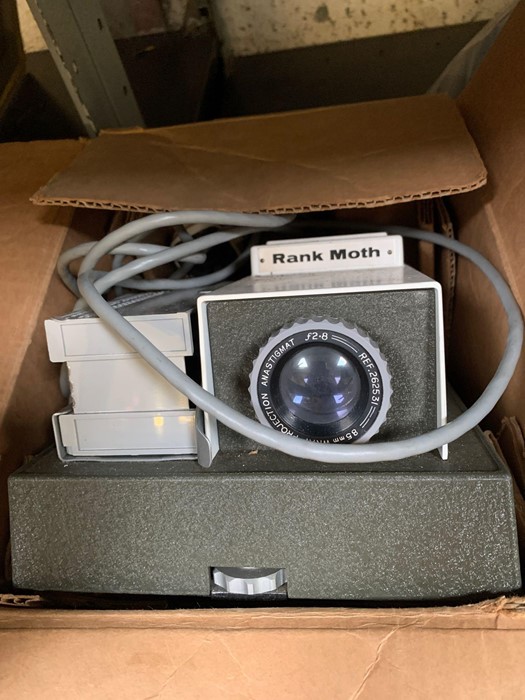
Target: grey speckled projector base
x=436, y=530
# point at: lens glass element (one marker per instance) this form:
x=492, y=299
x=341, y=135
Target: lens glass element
x=321, y=379
x=319, y=384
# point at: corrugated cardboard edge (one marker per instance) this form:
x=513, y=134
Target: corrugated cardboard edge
x=12, y=600
x=40, y=199
x=500, y=613
x=360, y=155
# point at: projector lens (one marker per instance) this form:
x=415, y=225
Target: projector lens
x=321, y=379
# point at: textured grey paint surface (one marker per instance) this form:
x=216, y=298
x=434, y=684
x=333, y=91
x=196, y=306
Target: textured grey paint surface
x=438, y=531
x=402, y=323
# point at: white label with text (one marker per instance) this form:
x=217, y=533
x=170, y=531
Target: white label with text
x=347, y=252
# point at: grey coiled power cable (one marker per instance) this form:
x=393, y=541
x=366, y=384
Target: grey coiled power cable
x=265, y=435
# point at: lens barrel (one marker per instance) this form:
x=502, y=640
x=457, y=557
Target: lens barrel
x=321, y=379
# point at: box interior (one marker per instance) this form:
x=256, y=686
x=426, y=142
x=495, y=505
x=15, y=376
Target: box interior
x=234, y=165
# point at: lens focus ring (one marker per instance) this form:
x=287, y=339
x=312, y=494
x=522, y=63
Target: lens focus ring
x=321, y=379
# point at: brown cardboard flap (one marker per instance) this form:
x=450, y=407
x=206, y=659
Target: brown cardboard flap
x=493, y=105
x=382, y=663
x=27, y=269
x=512, y=443
x=308, y=653
x=479, y=328
x=30, y=241
x=361, y=155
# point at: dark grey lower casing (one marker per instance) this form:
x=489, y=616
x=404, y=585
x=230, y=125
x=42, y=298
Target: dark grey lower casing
x=422, y=530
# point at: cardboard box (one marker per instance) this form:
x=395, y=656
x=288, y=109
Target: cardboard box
x=344, y=157
x=493, y=220
x=474, y=652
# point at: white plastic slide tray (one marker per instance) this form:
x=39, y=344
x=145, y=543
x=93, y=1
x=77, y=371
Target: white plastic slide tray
x=71, y=339
x=120, y=434
x=122, y=385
